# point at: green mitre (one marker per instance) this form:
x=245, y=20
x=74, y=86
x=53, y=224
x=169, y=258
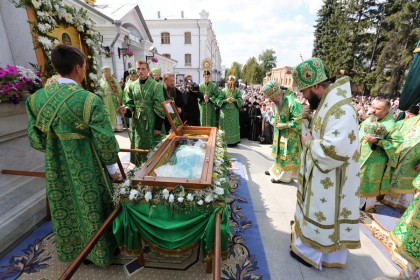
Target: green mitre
x=309, y=73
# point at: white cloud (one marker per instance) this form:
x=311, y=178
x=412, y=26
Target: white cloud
x=247, y=28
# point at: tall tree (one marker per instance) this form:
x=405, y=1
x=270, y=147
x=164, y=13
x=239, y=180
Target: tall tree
x=268, y=60
x=252, y=72
x=402, y=31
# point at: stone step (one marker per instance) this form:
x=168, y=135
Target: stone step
x=18, y=221
x=13, y=126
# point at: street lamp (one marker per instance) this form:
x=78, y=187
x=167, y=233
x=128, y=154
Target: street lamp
x=152, y=51
x=127, y=42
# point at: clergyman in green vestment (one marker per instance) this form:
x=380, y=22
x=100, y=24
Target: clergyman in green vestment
x=207, y=105
x=229, y=101
x=143, y=99
x=287, y=123
x=70, y=125
x=112, y=98
x=378, y=142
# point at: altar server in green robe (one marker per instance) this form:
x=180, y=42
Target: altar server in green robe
x=143, y=99
x=229, y=101
x=287, y=123
x=70, y=125
x=207, y=105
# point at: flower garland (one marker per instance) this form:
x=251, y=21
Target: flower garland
x=49, y=15
x=181, y=198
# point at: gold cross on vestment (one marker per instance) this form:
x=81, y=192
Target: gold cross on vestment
x=78, y=125
x=341, y=92
x=73, y=87
x=352, y=137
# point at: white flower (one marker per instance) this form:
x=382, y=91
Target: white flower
x=127, y=183
x=200, y=202
x=68, y=17
x=80, y=28
x=171, y=198
x=190, y=197
x=219, y=190
x=36, y=4
x=180, y=199
x=209, y=198
x=165, y=193
x=47, y=44
x=123, y=191
x=148, y=196
x=133, y=194
x=93, y=77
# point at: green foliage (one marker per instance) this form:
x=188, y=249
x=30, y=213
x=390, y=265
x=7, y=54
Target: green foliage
x=252, y=72
x=371, y=42
x=268, y=60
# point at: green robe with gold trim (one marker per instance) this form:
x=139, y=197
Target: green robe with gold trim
x=112, y=98
x=375, y=176
x=71, y=126
x=144, y=101
x=406, y=157
x=406, y=234
x=229, y=114
x=287, y=145
x=207, y=110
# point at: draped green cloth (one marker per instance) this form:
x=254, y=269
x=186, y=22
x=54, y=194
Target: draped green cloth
x=229, y=114
x=375, y=171
x=167, y=229
x=144, y=101
x=71, y=126
x=287, y=145
x=207, y=110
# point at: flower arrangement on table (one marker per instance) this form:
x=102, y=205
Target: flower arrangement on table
x=127, y=53
x=14, y=80
x=52, y=13
x=181, y=198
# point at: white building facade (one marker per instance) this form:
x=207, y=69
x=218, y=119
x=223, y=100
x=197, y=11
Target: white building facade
x=189, y=42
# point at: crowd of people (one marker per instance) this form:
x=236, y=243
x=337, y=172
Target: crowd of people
x=346, y=152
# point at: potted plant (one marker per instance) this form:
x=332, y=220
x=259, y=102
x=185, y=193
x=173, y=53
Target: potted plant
x=127, y=53
x=16, y=82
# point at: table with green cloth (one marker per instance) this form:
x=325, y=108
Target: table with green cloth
x=169, y=229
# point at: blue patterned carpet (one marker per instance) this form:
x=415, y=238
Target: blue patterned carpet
x=34, y=257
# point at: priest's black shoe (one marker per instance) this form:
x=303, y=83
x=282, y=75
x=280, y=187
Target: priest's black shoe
x=275, y=181
x=267, y=173
x=299, y=259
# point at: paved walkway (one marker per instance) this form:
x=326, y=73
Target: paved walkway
x=274, y=206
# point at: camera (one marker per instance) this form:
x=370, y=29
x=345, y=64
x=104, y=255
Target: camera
x=193, y=87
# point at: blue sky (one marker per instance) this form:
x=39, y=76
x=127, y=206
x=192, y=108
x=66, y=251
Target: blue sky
x=246, y=28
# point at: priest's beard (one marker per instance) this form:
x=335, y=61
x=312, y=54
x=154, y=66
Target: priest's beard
x=279, y=103
x=313, y=100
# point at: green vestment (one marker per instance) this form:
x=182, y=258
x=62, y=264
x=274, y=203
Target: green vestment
x=112, y=98
x=229, y=114
x=287, y=145
x=406, y=233
x=207, y=110
x=144, y=101
x=375, y=176
x=407, y=156
x=71, y=126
